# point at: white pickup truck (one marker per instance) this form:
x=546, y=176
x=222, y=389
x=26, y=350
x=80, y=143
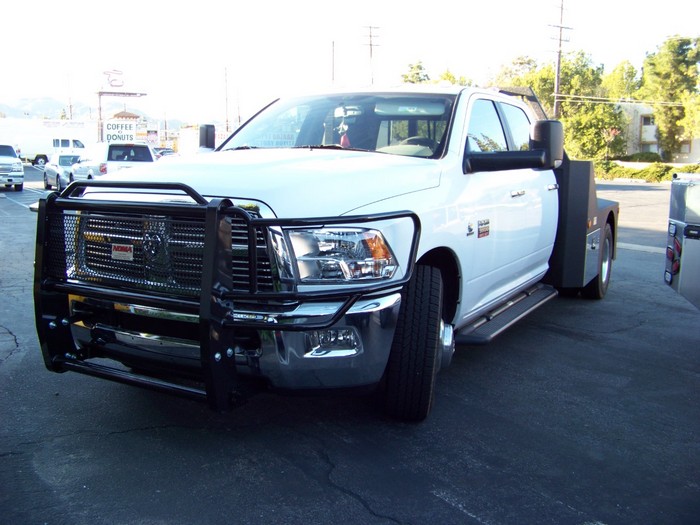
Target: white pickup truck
x=108, y=157
x=334, y=241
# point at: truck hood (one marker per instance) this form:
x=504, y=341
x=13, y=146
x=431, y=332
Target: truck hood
x=294, y=182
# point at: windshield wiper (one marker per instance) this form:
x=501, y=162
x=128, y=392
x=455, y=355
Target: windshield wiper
x=328, y=146
x=238, y=148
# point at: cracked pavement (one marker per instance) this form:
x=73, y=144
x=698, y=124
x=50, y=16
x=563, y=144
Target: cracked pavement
x=585, y=412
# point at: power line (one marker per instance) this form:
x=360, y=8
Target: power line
x=604, y=100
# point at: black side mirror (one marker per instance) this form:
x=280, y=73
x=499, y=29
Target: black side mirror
x=546, y=152
x=548, y=136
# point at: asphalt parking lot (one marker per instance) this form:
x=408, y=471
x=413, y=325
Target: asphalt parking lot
x=584, y=413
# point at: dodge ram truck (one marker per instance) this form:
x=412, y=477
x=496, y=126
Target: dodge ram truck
x=344, y=240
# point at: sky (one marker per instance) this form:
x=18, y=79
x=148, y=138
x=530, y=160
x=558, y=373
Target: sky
x=207, y=61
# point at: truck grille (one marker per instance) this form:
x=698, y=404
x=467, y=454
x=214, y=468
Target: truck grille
x=149, y=253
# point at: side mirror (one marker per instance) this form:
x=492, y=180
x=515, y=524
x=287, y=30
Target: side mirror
x=548, y=136
x=546, y=152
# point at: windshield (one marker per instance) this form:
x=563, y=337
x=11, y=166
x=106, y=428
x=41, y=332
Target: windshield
x=399, y=124
x=7, y=151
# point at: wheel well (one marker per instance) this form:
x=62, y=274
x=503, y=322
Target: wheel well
x=446, y=261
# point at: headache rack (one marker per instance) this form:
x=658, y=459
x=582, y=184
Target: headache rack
x=196, y=257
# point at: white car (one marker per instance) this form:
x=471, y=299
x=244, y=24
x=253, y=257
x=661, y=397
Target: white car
x=11, y=169
x=57, y=171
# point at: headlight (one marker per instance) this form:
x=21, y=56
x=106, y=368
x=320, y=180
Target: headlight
x=17, y=167
x=341, y=254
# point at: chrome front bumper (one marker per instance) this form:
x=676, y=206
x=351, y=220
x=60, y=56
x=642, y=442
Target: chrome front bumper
x=351, y=353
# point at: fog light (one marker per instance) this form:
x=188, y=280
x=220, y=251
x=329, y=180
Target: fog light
x=333, y=342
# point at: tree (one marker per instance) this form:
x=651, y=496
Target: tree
x=448, y=76
x=587, y=119
x=691, y=120
x=520, y=67
x=588, y=123
x=416, y=74
x=670, y=76
x=524, y=72
x=622, y=82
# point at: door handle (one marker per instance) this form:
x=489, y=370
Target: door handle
x=553, y=187
x=518, y=193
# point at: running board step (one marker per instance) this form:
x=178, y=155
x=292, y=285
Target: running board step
x=496, y=321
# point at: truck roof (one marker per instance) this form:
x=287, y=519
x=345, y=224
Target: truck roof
x=524, y=94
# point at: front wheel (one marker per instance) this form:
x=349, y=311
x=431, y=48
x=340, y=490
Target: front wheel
x=415, y=351
x=598, y=287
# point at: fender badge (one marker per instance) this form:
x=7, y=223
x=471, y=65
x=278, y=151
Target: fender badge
x=470, y=229
x=484, y=228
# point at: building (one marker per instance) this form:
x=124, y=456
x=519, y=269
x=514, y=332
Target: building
x=641, y=135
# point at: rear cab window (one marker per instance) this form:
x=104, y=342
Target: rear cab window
x=129, y=153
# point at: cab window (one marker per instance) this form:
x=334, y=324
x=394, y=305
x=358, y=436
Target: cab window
x=485, y=132
x=518, y=125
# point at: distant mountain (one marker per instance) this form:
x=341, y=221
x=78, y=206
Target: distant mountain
x=54, y=109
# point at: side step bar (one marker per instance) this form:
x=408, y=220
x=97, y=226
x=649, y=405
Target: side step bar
x=487, y=327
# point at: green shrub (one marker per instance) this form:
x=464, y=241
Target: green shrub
x=657, y=172
x=654, y=172
x=690, y=168
x=646, y=156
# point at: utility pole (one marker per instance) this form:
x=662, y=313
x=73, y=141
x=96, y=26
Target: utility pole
x=557, y=83
x=371, y=45
x=333, y=62
x=226, y=96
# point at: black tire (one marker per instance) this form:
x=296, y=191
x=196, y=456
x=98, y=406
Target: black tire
x=415, y=352
x=59, y=186
x=19, y=187
x=598, y=287
x=47, y=186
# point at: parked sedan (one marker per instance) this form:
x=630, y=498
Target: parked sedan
x=162, y=152
x=57, y=171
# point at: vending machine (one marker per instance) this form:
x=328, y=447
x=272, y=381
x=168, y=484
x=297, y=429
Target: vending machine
x=683, y=248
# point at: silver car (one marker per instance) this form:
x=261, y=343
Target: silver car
x=57, y=171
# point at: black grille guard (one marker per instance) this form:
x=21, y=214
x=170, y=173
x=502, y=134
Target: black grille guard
x=217, y=298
